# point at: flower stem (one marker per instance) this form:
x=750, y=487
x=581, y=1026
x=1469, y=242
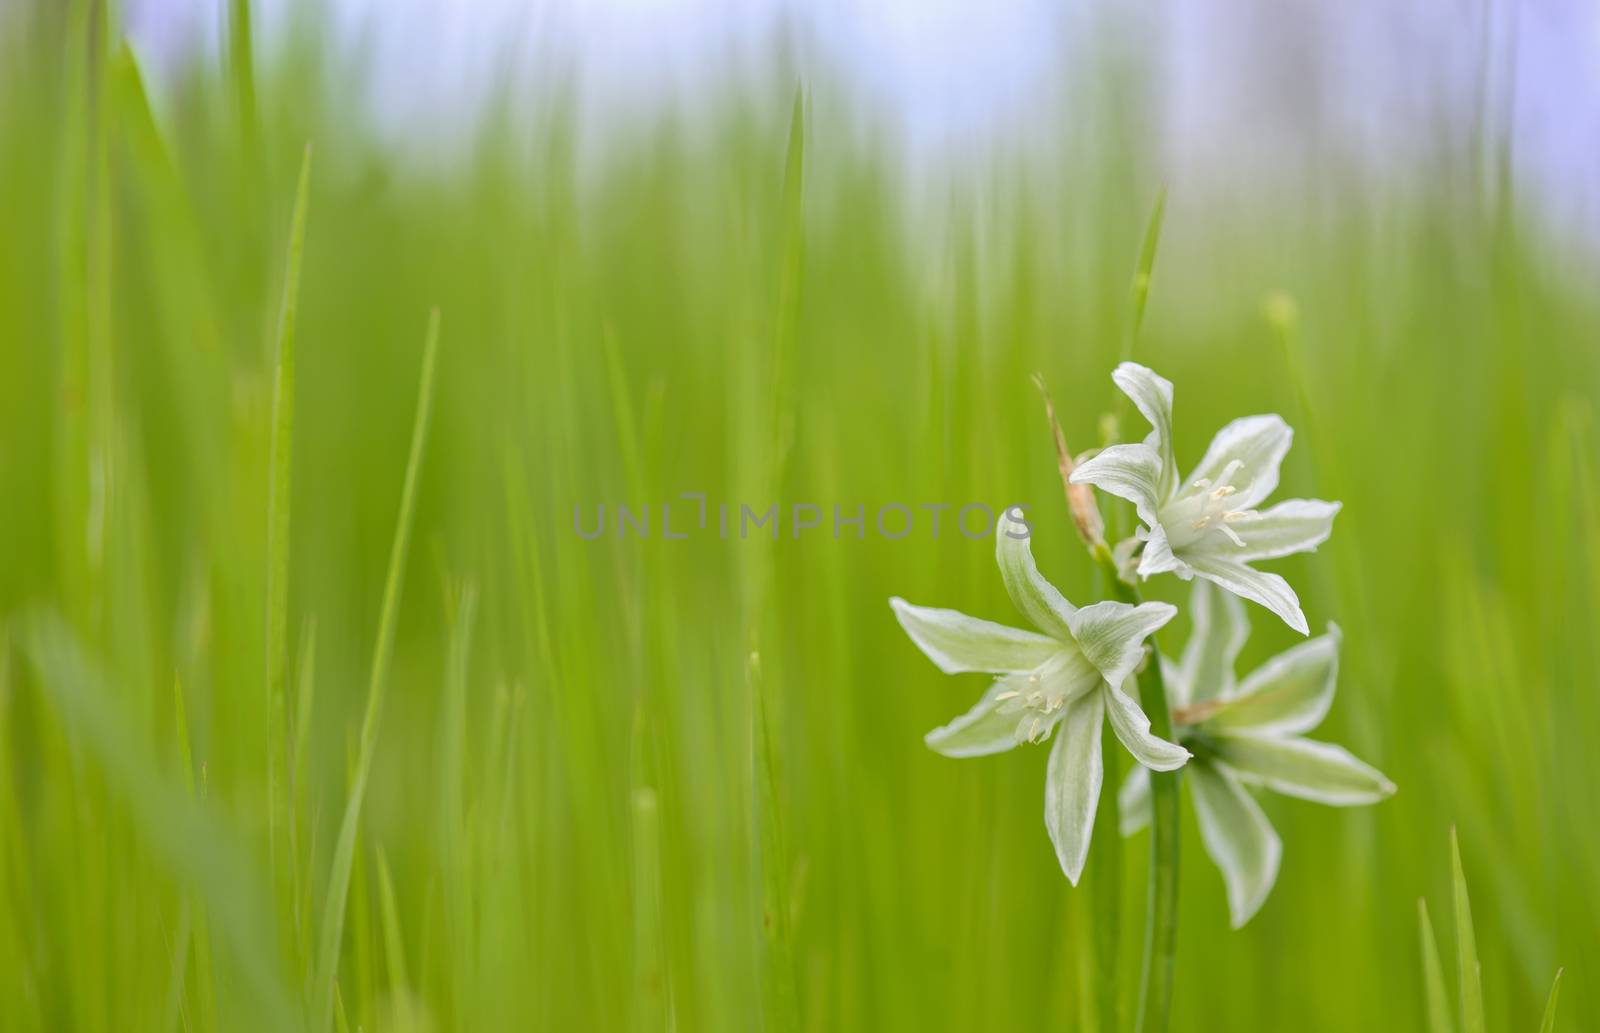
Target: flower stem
x=1161, y=928
x=1161, y=920
x=1105, y=884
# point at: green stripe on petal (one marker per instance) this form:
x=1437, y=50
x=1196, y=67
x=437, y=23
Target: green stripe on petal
x=1296, y=525
x=957, y=643
x=1112, y=635
x=1311, y=770
x=1258, y=586
x=1132, y=472
x=1238, y=836
x=1258, y=444
x=1157, y=556
x=1287, y=695
x=1072, y=784
x=980, y=731
x=1037, y=599
x=1133, y=728
x=1220, y=629
x=1151, y=394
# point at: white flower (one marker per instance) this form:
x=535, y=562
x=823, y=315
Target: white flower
x=1067, y=673
x=1207, y=525
x=1248, y=733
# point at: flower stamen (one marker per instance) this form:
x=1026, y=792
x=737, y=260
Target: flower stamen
x=1206, y=508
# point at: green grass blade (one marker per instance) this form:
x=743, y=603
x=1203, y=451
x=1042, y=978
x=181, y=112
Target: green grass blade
x=187, y=837
x=282, y=454
x=241, y=53
x=1471, y=975
x=1437, y=998
x=332, y=931
x=384, y=650
x=778, y=972
x=622, y=414
x=280, y=467
x=394, y=950
x=300, y=816
x=790, y=279
x=305, y=702
x=341, y=1021
x=1139, y=290
x=454, y=836
x=1548, y=1025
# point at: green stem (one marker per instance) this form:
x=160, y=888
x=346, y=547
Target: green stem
x=1105, y=878
x=1161, y=928
x=1161, y=924
x=1105, y=884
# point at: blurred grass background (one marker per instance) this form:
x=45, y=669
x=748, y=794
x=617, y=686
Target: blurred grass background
x=657, y=784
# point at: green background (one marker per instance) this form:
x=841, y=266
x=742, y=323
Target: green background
x=649, y=784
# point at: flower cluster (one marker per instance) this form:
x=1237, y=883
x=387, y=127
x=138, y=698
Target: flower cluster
x=1079, y=666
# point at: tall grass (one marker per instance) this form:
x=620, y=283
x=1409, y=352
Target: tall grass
x=680, y=784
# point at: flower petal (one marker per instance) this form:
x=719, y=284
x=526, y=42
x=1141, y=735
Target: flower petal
x=980, y=731
x=1133, y=801
x=1296, y=525
x=957, y=643
x=1151, y=394
x=1288, y=694
x=1128, y=720
x=1036, y=598
x=1259, y=443
x=1072, y=784
x=1238, y=837
x=1258, y=586
x=1157, y=556
x=1132, y=472
x=1316, y=771
x=1219, y=631
x=1112, y=635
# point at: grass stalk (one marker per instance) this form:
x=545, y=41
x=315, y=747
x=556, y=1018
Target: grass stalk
x=1548, y=1023
x=1470, y=971
x=333, y=914
x=280, y=473
x=1438, y=1001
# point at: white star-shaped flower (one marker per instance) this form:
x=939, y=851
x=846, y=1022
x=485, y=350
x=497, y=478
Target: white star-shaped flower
x=1207, y=526
x=1249, y=733
x=1069, y=672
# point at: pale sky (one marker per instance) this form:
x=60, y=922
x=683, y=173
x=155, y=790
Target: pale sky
x=1244, y=88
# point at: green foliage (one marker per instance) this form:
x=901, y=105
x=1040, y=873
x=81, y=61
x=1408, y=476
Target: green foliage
x=546, y=786
x=1469, y=972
